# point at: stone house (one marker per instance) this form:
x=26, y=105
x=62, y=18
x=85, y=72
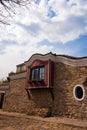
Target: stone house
x=49, y=85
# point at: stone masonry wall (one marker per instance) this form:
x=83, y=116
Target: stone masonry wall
x=65, y=79
x=16, y=100
x=41, y=103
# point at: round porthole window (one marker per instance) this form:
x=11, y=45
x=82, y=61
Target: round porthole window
x=79, y=92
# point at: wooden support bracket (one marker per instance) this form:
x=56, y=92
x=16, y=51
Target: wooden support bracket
x=28, y=93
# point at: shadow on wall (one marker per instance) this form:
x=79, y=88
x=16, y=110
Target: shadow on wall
x=42, y=100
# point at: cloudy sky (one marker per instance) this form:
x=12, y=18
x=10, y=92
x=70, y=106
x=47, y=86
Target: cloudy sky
x=58, y=26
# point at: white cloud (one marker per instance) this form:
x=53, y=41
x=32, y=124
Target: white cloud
x=69, y=23
x=29, y=27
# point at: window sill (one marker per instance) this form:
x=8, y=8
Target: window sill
x=35, y=81
x=37, y=87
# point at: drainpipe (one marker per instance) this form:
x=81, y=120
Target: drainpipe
x=49, y=79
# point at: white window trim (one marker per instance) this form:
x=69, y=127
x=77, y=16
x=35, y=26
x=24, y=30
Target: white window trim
x=78, y=85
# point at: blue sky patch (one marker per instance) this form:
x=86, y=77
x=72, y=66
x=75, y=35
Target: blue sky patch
x=33, y=29
x=51, y=13
x=37, y=1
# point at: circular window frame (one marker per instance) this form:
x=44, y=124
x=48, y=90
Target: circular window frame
x=74, y=92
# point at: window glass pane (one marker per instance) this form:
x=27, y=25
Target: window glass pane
x=36, y=73
x=42, y=73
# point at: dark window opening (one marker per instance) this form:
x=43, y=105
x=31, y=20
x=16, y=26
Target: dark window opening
x=79, y=92
x=37, y=73
x=1, y=100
